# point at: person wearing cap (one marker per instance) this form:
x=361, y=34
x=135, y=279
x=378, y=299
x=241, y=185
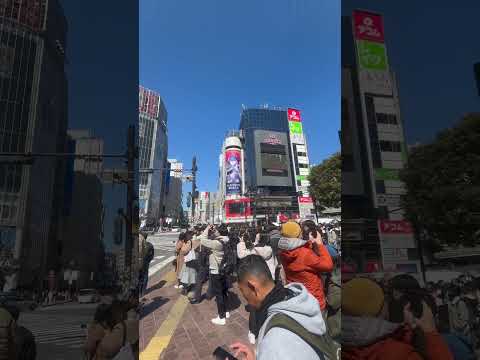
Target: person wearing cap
x=301, y=263
x=367, y=332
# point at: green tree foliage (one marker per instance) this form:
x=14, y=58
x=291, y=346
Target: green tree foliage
x=325, y=181
x=443, y=184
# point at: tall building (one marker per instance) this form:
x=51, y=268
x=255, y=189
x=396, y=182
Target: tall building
x=374, y=231
x=33, y=109
x=173, y=199
x=276, y=162
x=153, y=146
x=82, y=241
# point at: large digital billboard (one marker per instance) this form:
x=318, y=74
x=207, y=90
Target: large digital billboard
x=272, y=158
x=233, y=176
x=149, y=102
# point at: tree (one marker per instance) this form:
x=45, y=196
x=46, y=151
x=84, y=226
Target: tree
x=442, y=180
x=325, y=181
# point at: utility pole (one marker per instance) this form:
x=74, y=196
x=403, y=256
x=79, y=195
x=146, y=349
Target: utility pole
x=194, y=184
x=131, y=154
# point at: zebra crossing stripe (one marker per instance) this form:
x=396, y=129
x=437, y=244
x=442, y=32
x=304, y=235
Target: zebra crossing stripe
x=156, y=268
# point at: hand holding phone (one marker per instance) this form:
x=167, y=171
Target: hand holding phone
x=243, y=350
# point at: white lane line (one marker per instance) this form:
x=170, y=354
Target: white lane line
x=156, y=268
x=159, y=257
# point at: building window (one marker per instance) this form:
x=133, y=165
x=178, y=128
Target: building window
x=390, y=146
x=390, y=119
x=380, y=186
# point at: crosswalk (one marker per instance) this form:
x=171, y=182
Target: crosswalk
x=55, y=330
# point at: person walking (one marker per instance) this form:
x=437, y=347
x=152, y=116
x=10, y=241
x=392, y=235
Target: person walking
x=179, y=260
x=202, y=266
x=189, y=272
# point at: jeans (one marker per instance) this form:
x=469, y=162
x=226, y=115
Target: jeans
x=220, y=290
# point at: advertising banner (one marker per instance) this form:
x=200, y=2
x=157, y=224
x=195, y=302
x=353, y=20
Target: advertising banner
x=387, y=174
x=233, y=180
x=368, y=26
x=371, y=55
x=395, y=227
x=149, y=103
x=376, y=82
x=294, y=115
x=305, y=200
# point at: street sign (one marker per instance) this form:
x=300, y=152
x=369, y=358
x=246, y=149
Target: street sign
x=388, y=200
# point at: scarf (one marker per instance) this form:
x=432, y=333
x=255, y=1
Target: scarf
x=278, y=294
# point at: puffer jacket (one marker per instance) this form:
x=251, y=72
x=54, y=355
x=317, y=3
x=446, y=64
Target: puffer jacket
x=376, y=339
x=216, y=246
x=302, y=265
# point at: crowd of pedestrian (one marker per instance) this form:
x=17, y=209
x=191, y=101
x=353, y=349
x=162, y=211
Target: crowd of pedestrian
x=397, y=318
x=288, y=274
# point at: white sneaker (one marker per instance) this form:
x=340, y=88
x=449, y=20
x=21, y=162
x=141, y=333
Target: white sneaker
x=251, y=338
x=178, y=286
x=227, y=315
x=218, y=321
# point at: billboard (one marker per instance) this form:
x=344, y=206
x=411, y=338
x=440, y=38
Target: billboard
x=233, y=176
x=368, y=26
x=149, y=103
x=294, y=115
x=272, y=158
x=29, y=13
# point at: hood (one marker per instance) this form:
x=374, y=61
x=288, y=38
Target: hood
x=363, y=331
x=290, y=244
x=303, y=308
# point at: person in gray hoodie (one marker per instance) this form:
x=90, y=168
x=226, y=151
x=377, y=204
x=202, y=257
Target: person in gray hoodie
x=269, y=300
x=213, y=239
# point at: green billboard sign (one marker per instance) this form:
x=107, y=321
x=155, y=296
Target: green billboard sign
x=295, y=127
x=371, y=55
x=387, y=174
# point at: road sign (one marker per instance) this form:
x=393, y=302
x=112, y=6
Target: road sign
x=389, y=200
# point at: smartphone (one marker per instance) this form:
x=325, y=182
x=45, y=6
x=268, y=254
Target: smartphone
x=222, y=354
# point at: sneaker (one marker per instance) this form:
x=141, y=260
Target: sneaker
x=219, y=321
x=227, y=315
x=251, y=338
x=178, y=286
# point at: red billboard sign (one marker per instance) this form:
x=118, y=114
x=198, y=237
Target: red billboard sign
x=149, y=102
x=305, y=200
x=368, y=26
x=294, y=115
x=395, y=227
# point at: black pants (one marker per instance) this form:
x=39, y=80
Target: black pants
x=202, y=276
x=220, y=290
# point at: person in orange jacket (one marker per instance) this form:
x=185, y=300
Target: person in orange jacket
x=301, y=263
x=368, y=335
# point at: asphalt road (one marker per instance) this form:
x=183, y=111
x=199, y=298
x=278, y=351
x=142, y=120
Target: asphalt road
x=58, y=329
x=164, y=245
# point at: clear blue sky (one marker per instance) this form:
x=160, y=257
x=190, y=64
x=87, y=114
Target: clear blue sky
x=208, y=57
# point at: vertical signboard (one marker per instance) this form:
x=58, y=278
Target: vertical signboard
x=301, y=163
x=149, y=102
x=375, y=81
x=233, y=178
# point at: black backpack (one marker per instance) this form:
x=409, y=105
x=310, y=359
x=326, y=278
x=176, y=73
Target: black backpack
x=323, y=345
x=228, y=265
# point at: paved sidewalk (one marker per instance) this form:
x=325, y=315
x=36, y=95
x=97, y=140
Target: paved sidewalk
x=171, y=328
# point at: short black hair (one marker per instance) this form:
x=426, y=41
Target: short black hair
x=254, y=265
x=223, y=230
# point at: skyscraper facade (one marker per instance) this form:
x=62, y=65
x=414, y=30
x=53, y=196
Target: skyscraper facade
x=173, y=198
x=33, y=109
x=153, y=151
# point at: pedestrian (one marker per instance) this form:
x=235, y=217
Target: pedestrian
x=290, y=322
x=202, y=266
x=96, y=330
x=179, y=260
x=302, y=264
x=148, y=254
x=7, y=335
x=188, y=273
x=368, y=332
x=214, y=239
x=25, y=347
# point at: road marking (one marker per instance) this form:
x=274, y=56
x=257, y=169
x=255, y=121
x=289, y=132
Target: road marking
x=164, y=334
x=156, y=268
x=159, y=257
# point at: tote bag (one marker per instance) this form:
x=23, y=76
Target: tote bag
x=125, y=352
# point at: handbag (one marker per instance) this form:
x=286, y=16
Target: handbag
x=125, y=352
x=190, y=256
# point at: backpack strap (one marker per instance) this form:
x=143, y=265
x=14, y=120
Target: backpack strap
x=124, y=326
x=323, y=345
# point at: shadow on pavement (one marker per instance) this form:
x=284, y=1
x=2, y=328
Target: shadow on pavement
x=152, y=306
x=155, y=287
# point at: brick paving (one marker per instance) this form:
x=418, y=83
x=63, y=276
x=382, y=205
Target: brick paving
x=195, y=336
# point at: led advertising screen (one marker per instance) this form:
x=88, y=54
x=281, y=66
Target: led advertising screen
x=149, y=103
x=233, y=176
x=294, y=115
x=272, y=158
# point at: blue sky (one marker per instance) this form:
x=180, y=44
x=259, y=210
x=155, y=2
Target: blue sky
x=207, y=58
